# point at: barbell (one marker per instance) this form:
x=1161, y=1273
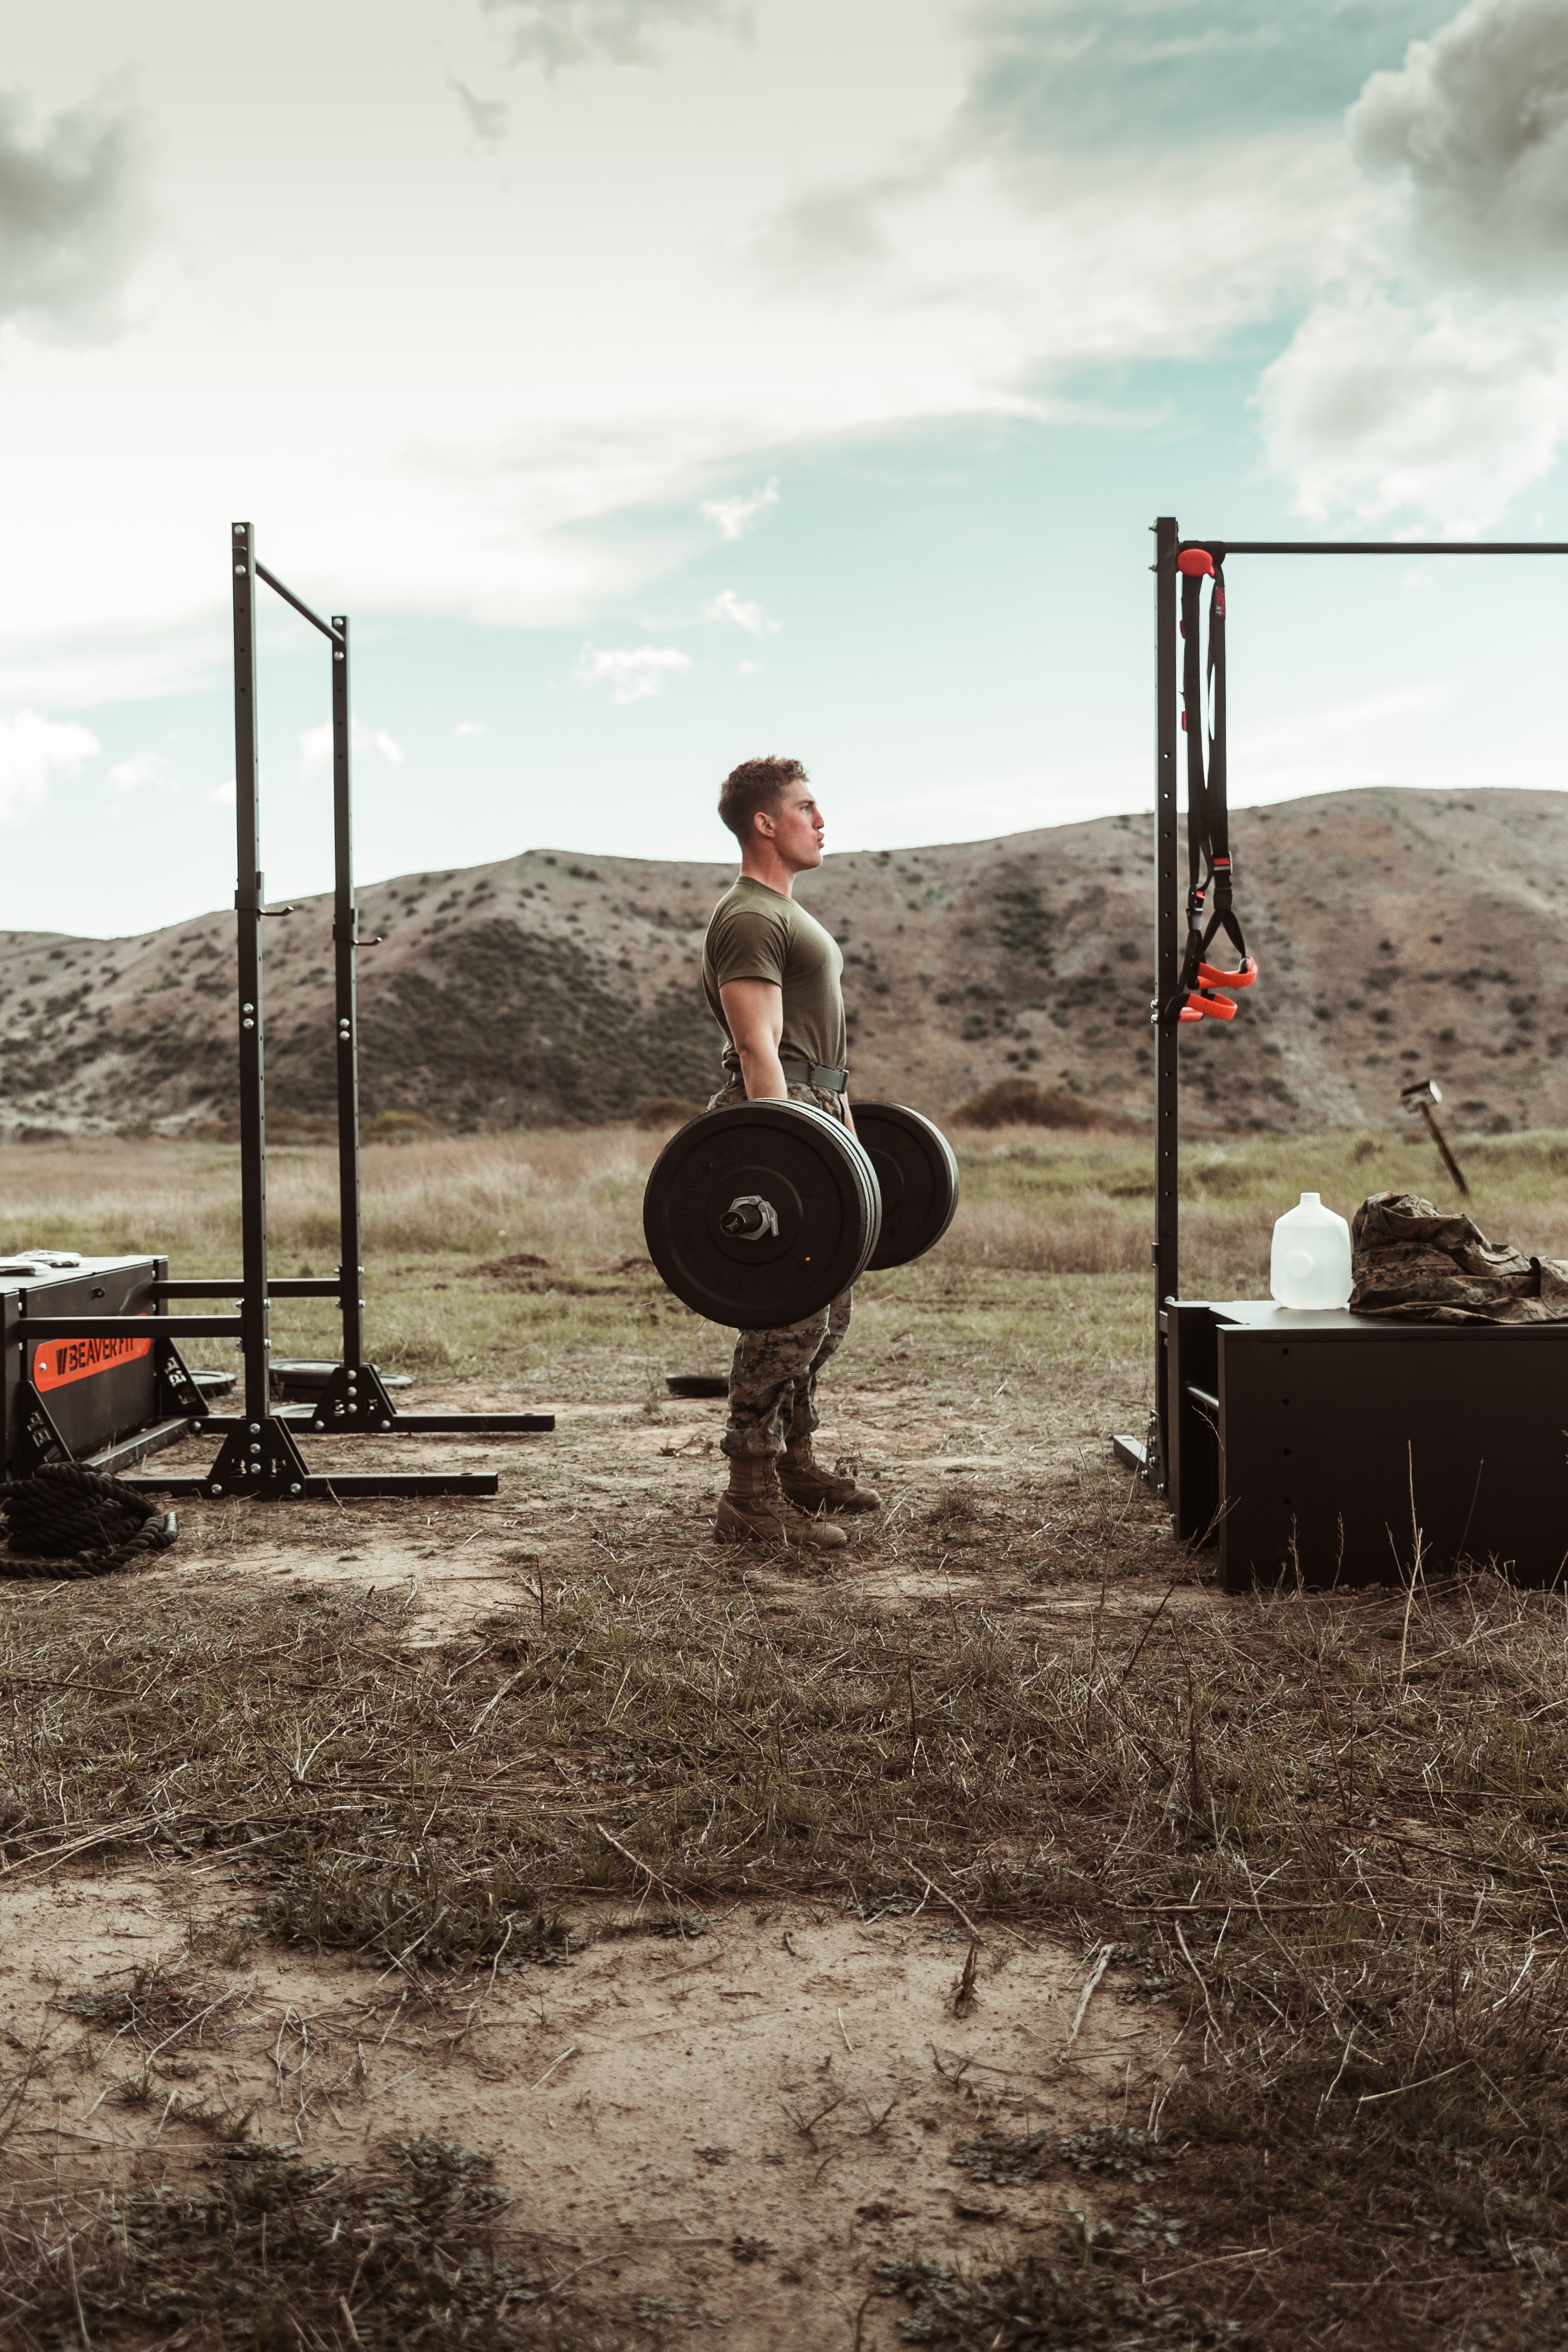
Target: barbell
x=758, y=1215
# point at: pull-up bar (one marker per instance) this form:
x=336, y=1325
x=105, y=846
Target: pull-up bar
x=333, y=629
x=1375, y=546
x=1153, y=1459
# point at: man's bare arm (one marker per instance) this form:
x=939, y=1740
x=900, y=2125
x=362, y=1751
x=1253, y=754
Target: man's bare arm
x=754, y=1010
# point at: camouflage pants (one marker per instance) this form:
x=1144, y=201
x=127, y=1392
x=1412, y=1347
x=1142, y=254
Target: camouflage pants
x=773, y=1379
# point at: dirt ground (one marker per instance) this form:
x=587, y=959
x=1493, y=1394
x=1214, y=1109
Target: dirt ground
x=561, y=1499
x=810, y=1943
x=733, y=2120
x=714, y=2118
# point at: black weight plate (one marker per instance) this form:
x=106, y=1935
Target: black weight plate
x=918, y=1177
x=815, y=1178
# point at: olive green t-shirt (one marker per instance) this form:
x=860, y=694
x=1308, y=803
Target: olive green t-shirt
x=756, y=933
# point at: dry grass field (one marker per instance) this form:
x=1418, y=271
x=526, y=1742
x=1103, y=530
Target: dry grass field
x=521, y=1922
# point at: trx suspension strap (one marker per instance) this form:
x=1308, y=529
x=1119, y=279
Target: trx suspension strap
x=1207, y=814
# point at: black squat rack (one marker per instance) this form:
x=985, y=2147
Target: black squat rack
x=1376, y=1410
x=259, y=1454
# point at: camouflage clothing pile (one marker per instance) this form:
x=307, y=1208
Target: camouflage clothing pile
x=1411, y=1260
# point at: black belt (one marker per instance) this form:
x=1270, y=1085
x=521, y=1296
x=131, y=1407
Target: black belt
x=815, y=1074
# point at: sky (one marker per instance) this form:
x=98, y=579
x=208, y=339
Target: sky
x=657, y=382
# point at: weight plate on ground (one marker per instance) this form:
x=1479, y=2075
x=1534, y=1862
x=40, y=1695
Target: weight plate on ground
x=758, y=1215
x=918, y=1177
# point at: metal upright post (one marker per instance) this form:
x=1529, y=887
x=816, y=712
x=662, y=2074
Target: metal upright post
x=355, y=1397
x=254, y=1340
x=1168, y=955
x=345, y=943
x=257, y=1456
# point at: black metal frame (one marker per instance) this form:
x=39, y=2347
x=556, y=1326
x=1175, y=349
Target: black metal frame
x=1153, y=1457
x=259, y=1454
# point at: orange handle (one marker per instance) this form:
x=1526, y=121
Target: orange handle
x=1201, y=1004
x=1208, y=977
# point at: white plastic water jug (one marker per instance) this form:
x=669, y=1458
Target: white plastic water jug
x=1310, y=1262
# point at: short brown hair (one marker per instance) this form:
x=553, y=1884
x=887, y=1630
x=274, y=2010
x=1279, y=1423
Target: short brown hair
x=755, y=784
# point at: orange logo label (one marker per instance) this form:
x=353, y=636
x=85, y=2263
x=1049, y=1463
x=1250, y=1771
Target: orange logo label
x=59, y=1362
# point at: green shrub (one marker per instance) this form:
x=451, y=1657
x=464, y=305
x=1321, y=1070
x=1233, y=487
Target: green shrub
x=399, y=1126
x=667, y=1110
x=1021, y=1102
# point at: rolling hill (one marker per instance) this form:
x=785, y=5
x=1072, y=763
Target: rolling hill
x=1400, y=932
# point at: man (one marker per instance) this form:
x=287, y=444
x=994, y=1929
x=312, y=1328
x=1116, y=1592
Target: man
x=771, y=975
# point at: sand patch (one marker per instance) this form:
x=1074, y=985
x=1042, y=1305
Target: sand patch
x=730, y=2129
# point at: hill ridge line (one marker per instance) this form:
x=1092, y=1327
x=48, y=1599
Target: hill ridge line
x=1400, y=931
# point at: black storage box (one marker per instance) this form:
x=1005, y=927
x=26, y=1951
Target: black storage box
x=94, y=1390
x=1319, y=1444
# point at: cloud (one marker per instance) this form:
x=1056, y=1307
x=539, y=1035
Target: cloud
x=316, y=745
x=485, y=117
x=733, y=518
x=728, y=606
x=73, y=213
x=526, y=429
x=522, y=457
x=832, y=230
x=31, y=751
x=632, y=673
x=555, y=33
x=472, y=727
x=224, y=796
x=1383, y=404
x=1054, y=75
x=1069, y=213
x=1429, y=379
x=1476, y=124
x=142, y=768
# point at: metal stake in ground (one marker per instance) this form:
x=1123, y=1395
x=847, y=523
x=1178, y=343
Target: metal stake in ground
x=1420, y=1095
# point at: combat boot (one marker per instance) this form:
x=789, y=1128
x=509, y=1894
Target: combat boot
x=811, y=1488
x=753, y=1510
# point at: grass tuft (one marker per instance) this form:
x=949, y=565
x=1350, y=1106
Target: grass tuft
x=416, y=1908
x=1006, y=2158
x=272, y=2251
x=1090, y=2296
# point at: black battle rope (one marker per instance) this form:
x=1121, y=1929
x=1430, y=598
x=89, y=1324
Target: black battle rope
x=66, y=1521
x=1208, y=808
